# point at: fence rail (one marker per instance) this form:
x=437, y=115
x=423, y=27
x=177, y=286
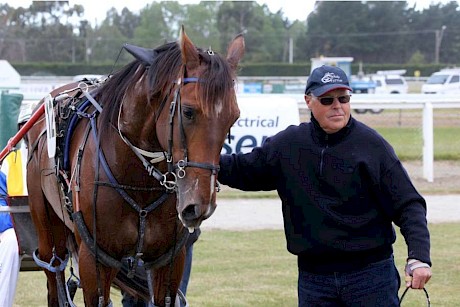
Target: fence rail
x=425, y=103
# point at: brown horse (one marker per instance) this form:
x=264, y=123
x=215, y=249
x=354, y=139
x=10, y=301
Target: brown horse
x=135, y=167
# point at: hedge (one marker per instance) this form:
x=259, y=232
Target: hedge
x=247, y=69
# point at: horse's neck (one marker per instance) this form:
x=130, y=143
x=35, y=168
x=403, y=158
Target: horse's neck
x=136, y=124
x=127, y=162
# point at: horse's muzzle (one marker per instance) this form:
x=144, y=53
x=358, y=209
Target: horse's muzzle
x=192, y=216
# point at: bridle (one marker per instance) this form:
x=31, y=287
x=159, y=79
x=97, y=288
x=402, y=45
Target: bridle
x=169, y=179
x=184, y=162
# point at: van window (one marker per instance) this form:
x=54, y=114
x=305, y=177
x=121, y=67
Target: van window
x=395, y=81
x=454, y=79
x=437, y=79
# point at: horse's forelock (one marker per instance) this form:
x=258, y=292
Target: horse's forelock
x=164, y=70
x=216, y=86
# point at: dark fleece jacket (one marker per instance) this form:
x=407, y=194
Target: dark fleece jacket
x=340, y=193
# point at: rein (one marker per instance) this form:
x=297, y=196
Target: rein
x=428, y=303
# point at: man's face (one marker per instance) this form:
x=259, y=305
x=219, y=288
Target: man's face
x=331, y=117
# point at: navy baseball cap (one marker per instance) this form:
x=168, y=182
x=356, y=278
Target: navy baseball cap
x=326, y=78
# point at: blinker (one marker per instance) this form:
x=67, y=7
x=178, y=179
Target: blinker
x=145, y=55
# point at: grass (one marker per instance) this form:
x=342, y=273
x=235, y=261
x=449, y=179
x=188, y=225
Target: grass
x=230, y=193
x=253, y=268
x=408, y=142
x=31, y=291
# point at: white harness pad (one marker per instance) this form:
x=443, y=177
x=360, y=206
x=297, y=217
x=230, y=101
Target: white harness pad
x=50, y=126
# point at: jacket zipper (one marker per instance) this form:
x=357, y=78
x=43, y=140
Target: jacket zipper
x=321, y=163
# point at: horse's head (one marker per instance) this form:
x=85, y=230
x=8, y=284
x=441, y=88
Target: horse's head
x=188, y=95
x=201, y=109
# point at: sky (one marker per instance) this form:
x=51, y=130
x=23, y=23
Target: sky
x=293, y=9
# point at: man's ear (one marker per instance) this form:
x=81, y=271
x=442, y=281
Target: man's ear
x=307, y=100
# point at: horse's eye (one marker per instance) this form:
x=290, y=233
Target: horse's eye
x=188, y=113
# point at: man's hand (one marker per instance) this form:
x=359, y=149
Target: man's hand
x=417, y=274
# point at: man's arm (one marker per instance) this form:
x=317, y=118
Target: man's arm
x=413, y=226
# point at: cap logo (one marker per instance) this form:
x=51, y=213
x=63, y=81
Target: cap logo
x=330, y=77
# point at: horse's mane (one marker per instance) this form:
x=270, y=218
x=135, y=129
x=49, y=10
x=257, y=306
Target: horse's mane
x=216, y=83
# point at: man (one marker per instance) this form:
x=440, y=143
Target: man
x=341, y=186
x=12, y=183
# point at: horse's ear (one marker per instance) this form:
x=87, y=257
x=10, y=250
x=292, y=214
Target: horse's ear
x=190, y=55
x=235, y=51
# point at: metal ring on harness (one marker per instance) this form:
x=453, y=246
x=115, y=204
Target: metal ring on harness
x=170, y=185
x=181, y=168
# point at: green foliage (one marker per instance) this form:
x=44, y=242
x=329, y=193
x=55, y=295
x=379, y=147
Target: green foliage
x=417, y=58
x=373, y=32
x=376, y=32
x=152, y=25
x=201, y=25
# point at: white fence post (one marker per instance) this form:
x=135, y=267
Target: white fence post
x=428, y=144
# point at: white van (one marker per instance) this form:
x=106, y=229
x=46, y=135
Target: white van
x=445, y=81
x=390, y=82
x=387, y=82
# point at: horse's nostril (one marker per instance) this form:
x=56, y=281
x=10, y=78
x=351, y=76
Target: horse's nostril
x=191, y=212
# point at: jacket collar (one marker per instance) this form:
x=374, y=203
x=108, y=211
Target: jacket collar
x=320, y=136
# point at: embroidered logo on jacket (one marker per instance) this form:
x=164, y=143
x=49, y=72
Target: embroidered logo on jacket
x=330, y=77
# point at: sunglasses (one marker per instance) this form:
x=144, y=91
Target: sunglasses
x=327, y=101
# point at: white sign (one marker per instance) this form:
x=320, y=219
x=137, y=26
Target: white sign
x=261, y=116
x=36, y=91
x=9, y=77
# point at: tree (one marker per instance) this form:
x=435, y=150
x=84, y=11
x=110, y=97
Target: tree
x=47, y=35
x=266, y=34
x=43, y=32
x=233, y=18
x=105, y=42
x=297, y=32
x=380, y=31
x=201, y=25
x=432, y=19
x=328, y=32
x=417, y=58
x=152, y=30
x=11, y=46
x=369, y=31
x=126, y=22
